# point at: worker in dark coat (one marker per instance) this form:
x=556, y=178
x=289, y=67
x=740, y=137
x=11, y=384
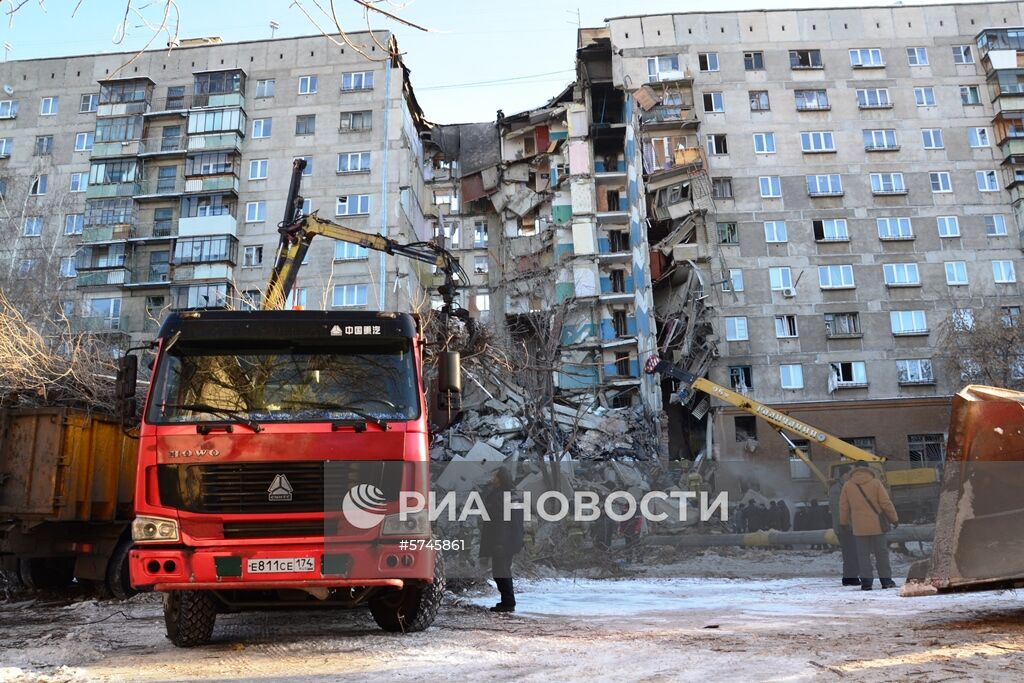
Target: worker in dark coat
x=501, y=536
x=785, y=520
x=848, y=545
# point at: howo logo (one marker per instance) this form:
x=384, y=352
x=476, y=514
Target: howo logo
x=363, y=506
x=280, y=489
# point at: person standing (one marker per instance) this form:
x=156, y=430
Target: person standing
x=866, y=505
x=501, y=536
x=851, y=570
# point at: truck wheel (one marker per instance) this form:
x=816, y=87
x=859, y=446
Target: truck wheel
x=189, y=616
x=43, y=573
x=118, y=579
x=414, y=607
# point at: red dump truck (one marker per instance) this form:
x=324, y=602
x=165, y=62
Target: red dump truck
x=67, y=481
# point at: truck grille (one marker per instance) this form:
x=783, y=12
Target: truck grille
x=260, y=487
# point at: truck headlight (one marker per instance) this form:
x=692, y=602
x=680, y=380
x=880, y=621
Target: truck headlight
x=154, y=529
x=414, y=524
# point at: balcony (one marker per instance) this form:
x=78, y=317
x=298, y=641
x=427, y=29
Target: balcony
x=122, y=108
x=674, y=116
x=177, y=144
x=215, y=142
x=143, y=232
x=150, y=276
x=228, y=99
x=1012, y=146
x=194, y=226
x=112, y=190
x=170, y=105
x=101, y=278
x=106, y=233
x=118, y=148
x=216, y=183
x=154, y=188
x=98, y=323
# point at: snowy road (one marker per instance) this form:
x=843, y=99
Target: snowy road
x=652, y=629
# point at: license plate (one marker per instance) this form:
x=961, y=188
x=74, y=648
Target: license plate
x=279, y=565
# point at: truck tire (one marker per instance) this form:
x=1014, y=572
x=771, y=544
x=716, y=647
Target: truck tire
x=118, y=581
x=42, y=573
x=189, y=617
x=414, y=607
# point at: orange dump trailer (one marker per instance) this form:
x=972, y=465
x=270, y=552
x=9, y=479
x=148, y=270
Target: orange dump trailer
x=67, y=481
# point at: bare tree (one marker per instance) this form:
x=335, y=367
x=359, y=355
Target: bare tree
x=984, y=348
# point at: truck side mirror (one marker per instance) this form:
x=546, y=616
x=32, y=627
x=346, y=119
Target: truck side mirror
x=449, y=380
x=125, y=385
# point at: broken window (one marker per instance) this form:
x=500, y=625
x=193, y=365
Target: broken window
x=810, y=100
x=727, y=233
x=618, y=281
x=622, y=365
x=707, y=61
x=850, y=373
x=717, y=144
x=740, y=378
x=662, y=64
x=926, y=449
x=721, y=188
x=620, y=323
x=1011, y=316
x=831, y=230
x=618, y=241
x=842, y=324
x=759, y=100
x=785, y=326
x=865, y=443
x=714, y=103
x=753, y=61
x=915, y=371
x=805, y=59
x=745, y=427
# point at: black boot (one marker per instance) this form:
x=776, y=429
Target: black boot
x=851, y=581
x=888, y=583
x=865, y=584
x=502, y=607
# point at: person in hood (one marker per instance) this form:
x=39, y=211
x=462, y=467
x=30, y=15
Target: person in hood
x=501, y=536
x=865, y=505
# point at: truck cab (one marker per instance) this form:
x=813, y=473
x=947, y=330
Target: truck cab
x=255, y=424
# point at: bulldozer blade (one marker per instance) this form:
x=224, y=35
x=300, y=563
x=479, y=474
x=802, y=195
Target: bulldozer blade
x=979, y=526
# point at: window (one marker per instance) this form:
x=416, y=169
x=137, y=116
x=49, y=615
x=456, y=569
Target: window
x=791, y=376
x=842, y=324
x=707, y=61
x=865, y=58
x=307, y=170
x=265, y=87
x=727, y=233
x=79, y=181
x=353, y=162
x=932, y=138
x=963, y=319
x=356, y=120
x=721, y=188
x=305, y=124
x=831, y=230
x=255, y=212
x=6, y=147
x=780, y=278
x=770, y=185
x=27, y=267
x=252, y=256
x=969, y=94
x=67, y=267
x=753, y=61
x=734, y=283
x=785, y=326
x=835, y=277
x=759, y=100
x=887, y=183
x=38, y=186
x=987, y=181
x=775, y=231
x=261, y=128
x=745, y=427
x=717, y=144
x=349, y=295
x=307, y=85
x=1003, y=273
x=352, y=205
x=736, y=329
x=88, y=103
x=83, y=142
x=1011, y=316
x=995, y=226
x=917, y=56
x=44, y=145
x=209, y=163
x=817, y=141
x=962, y=54
x=214, y=121
x=978, y=137
x=824, y=185
x=48, y=106
x=73, y=223
x=901, y=275
x=940, y=182
x=480, y=264
x=915, y=371
x=713, y=103
x=258, y=169
x=662, y=64
x=873, y=98
x=740, y=378
x=764, y=143
x=8, y=109
x=924, y=97
x=805, y=59
x=852, y=373
x=482, y=301
x=956, y=272
x=811, y=100
x=33, y=226
x=949, y=226
x=357, y=80
x=880, y=139
x=926, y=449
x=249, y=300
x=297, y=299
x=894, y=228
x=346, y=251
x=908, y=322
x=479, y=234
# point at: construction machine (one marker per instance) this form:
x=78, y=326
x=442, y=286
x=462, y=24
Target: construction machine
x=913, y=490
x=275, y=445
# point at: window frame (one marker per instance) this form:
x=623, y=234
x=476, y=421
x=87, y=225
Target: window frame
x=957, y=266
x=311, y=84
x=774, y=186
x=843, y=269
x=735, y=326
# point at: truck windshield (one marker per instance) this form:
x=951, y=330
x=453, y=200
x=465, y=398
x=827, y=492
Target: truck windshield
x=293, y=383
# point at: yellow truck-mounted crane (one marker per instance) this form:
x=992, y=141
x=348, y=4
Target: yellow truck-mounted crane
x=919, y=479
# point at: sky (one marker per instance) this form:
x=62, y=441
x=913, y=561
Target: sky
x=479, y=55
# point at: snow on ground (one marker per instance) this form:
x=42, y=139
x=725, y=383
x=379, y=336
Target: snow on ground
x=650, y=627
